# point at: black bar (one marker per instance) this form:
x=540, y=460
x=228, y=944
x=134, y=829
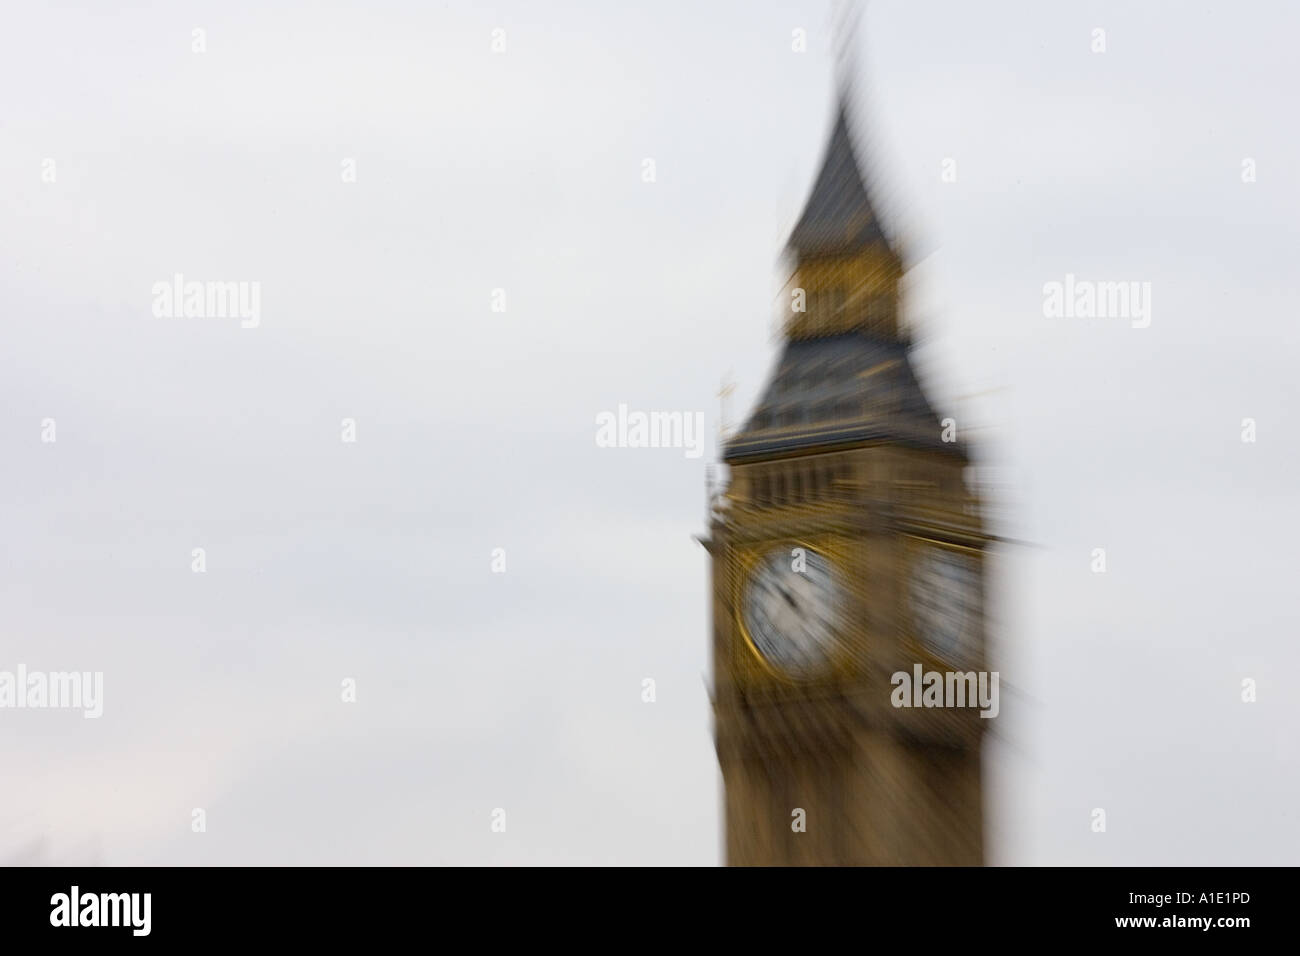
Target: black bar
x=374, y=905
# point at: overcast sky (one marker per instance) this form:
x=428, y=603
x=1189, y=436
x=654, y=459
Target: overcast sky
x=522, y=171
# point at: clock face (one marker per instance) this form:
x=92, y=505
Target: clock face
x=793, y=616
x=945, y=593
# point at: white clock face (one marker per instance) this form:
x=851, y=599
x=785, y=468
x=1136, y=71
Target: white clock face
x=792, y=609
x=945, y=593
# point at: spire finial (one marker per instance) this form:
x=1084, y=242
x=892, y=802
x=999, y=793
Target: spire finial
x=845, y=16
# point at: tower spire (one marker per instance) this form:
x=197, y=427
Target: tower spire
x=839, y=218
x=846, y=270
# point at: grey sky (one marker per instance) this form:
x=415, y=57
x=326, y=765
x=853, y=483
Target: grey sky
x=476, y=429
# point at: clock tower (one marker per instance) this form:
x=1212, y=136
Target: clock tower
x=847, y=549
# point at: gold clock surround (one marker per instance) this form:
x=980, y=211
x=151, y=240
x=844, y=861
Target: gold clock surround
x=914, y=547
x=750, y=559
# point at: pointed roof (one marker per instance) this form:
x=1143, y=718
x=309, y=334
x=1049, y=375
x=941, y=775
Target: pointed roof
x=842, y=391
x=838, y=217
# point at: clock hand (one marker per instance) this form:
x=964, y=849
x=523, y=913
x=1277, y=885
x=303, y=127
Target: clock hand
x=788, y=599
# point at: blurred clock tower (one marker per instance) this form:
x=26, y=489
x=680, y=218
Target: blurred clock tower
x=846, y=548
